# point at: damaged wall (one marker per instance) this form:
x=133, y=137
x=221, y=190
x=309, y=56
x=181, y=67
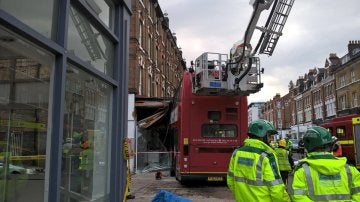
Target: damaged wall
x=154, y=141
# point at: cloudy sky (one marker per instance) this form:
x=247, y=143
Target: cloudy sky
x=314, y=29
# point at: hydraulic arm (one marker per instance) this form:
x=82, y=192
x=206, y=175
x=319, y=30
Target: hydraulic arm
x=241, y=73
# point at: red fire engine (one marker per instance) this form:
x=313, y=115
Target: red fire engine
x=347, y=130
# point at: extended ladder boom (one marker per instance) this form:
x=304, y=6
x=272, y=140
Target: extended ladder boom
x=241, y=75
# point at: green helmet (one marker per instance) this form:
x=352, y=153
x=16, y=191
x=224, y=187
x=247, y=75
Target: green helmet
x=316, y=137
x=261, y=127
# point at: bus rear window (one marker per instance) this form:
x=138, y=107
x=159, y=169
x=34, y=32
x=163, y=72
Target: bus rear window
x=219, y=130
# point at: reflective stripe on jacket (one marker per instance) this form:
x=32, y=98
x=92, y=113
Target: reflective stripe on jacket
x=322, y=177
x=253, y=174
x=283, y=157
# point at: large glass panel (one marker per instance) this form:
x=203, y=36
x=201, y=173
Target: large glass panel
x=85, y=148
x=25, y=71
x=89, y=44
x=102, y=9
x=38, y=14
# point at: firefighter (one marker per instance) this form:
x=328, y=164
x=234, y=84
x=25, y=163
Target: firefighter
x=253, y=173
x=285, y=160
x=321, y=176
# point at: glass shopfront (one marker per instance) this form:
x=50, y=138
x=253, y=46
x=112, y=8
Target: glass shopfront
x=85, y=154
x=60, y=96
x=25, y=71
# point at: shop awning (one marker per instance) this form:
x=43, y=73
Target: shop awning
x=152, y=111
x=148, y=121
x=151, y=104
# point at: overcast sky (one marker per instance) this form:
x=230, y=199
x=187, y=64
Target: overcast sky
x=314, y=29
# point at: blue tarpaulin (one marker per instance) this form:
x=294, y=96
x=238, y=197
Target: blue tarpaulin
x=165, y=196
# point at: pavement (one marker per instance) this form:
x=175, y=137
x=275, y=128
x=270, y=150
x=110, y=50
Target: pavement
x=144, y=186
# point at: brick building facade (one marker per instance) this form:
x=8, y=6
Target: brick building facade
x=155, y=60
x=348, y=81
x=319, y=95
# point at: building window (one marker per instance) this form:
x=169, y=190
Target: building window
x=149, y=9
x=156, y=84
x=278, y=104
x=342, y=102
x=156, y=57
x=342, y=81
x=25, y=77
x=317, y=113
x=38, y=14
x=150, y=46
x=149, y=86
x=353, y=77
x=354, y=99
x=89, y=44
x=140, y=81
x=140, y=34
x=308, y=115
x=86, y=140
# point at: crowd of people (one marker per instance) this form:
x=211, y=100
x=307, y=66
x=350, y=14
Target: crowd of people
x=259, y=170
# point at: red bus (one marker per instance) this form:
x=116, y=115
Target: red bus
x=343, y=129
x=207, y=129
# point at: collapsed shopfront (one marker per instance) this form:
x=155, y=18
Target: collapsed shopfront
x=154, y=139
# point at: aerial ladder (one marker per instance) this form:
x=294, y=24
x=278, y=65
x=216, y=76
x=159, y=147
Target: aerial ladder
x=240, y=74
x=88, y=37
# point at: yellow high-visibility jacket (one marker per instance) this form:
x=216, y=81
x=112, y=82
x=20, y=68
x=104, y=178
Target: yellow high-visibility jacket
x=283, y=158
x=254, y=175
x=323, y=177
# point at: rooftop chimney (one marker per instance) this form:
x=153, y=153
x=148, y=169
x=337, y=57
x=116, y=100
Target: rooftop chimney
x=353, y=48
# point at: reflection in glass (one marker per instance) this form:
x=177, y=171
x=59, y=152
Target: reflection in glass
x=101, y=9
x=37, y=14
x=24, y=100
x=89, y=44
x=85, y=151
